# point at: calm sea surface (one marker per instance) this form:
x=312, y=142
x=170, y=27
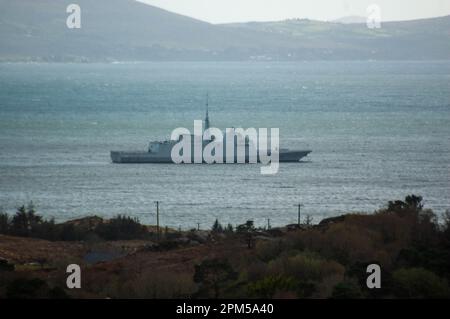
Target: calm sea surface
x=378, y=131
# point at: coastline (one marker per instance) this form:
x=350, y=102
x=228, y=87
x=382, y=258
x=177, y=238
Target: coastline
x=325, y=260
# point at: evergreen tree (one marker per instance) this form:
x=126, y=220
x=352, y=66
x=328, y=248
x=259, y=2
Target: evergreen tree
x=217, y=227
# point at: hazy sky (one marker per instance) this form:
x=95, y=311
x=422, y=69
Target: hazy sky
x=220, y=11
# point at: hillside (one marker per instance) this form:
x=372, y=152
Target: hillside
x=417, y=39
x=325, y=260
x=126, y=30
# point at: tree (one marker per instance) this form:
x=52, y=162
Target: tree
x=211, y=274
x=419, y=283
x=19, y=223
x=4, y=223
x=446, y=226
x=308, y=220
x=414, y=202
x=248, y=228
x=25, y=220
x=411, y=205
x=217, y=227
x=446, y=218
x=121, y=227
x=45, y=229
x=68, y=232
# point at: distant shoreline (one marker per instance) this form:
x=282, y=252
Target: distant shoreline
x=128, y=62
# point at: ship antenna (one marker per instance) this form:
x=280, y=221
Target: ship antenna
x=207, y=115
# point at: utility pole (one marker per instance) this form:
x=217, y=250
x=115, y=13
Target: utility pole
x=157, y=218
x=198, y=226
x=268, y=223
x=299, y=214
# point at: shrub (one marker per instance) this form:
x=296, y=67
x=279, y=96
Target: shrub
x=271, y=285
x=306, y=266
x=419, y=283
x=300, y=266
x=121, y=227
x=4, y=223
x=360, y=238
x=24, y=288
x=309, y=270
x=347, y=289
x=45, y=229
x=152, y=284
x=212, y=274
x=268, y=250
x=256, y=270
x=68, y=232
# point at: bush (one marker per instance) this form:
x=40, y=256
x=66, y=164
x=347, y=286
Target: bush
x=121, y=228
x=346, y=290
x=268, y=250
x=305, y=265
x=271, y=285
x=26, y=223
x=45, y=229
x=151, y=284
x=68, y=232
x=4, y=223
x=212, y=275
x=300, y=266
x=419, y=283
x=23, y=288
x=309, y=270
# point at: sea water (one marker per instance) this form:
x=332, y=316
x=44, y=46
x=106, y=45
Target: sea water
x=378, y=131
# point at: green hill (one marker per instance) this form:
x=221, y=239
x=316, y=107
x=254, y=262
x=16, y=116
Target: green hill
x=126, y=30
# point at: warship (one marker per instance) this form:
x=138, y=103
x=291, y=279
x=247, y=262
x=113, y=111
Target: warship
x=160, y=151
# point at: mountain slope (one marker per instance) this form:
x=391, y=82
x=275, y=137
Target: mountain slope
x=127, y=30
x=417, y=39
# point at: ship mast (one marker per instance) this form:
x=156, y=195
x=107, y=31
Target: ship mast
x=207, y=116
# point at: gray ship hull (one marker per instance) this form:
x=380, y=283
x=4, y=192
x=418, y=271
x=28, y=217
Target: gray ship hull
x=137, y=157
x=161, y=151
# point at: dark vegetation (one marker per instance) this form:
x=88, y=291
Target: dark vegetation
x=26, y=223
x=23, y=288
x=330, y=259
x=327, y=260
